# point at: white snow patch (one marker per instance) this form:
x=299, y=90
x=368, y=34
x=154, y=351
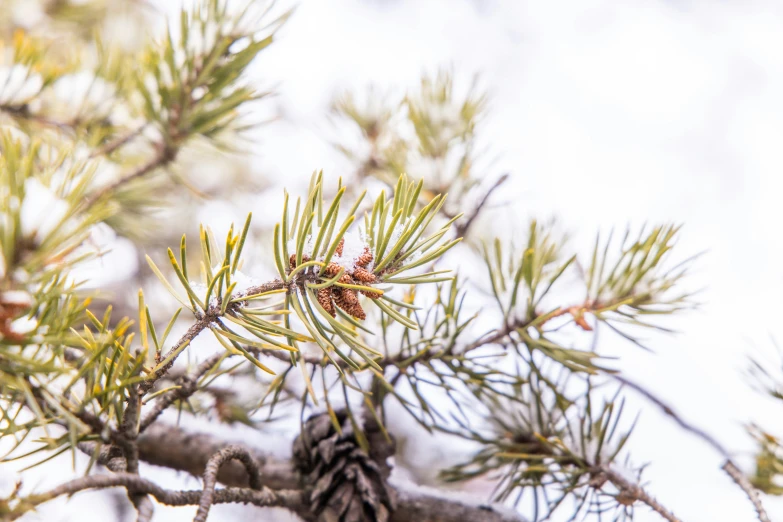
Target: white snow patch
x=18, y=84
x=24, y=325
x=354, y=246
x=16, y=297
x=83, y=92
x=41, y=210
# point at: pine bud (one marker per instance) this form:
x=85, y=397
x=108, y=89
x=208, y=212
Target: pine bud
x=347, y=300
x=363, y=275
x=332, y=269
x=371, y=295
x=292, y=260
x=325, y=300
x=366, y=257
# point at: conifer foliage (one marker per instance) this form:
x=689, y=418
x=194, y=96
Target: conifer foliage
x=376, y=311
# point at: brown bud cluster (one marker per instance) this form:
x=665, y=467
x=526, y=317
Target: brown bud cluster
x=346, y=299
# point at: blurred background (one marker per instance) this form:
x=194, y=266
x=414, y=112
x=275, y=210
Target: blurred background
x=603, y=114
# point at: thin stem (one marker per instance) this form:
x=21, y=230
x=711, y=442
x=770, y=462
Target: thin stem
x=210, y=476
x=633, y=491
x=462, y=227
x=291, y=499
x=187, y=387
x=729, y=466
x=164, y=155
x=742, y=481
x=111, y=146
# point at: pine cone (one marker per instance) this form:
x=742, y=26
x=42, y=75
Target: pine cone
x=347, y=299
x=348, y=484
x=325, y=300
x=339, y=248
x=292, y=260
x=366, y=257
x=371, y=295
x=363, y=275
x=332, y=269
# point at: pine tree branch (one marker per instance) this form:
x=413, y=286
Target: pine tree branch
x=634, y=492
x=115, y=144
x=742, y=481
x=264, y=497
x=130, y=425
x=164, y=155
x=172, y=447
x=210, y=476
x=212, y=314
x=729, y=466
x=187, y=386
x=462, y=227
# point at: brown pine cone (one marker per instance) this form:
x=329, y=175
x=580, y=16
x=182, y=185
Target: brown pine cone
x=347, y=300
x=371, y=295
x=365, y=258
x=340, y=246
x=325, y=300
x=348, y=484
x=292, y=260
x=332, y=269
x=363, y=275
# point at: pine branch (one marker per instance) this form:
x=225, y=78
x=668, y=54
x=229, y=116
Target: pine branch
x=742, y=481
x=630, y=492
x=172, y=447
x=264, y=497
x=729, y=466
x=164, y=155
x=207, y=319
x=130, y=425
x=462, y=227
x=210, y=476
x=115, y=144
x=187, y=386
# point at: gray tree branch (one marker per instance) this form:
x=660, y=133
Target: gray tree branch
x=172, y=447
x=228, y=453
x=263, y=497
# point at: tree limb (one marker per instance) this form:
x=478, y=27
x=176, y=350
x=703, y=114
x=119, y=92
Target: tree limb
x=264, y=497
x=172, y=447
x=210, y=476
x=187, y=387
x=742, y=481
x=633, y=492
x=462, y=227
x=164, y=155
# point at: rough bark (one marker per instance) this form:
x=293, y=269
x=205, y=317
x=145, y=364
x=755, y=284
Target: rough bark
x=172, y=447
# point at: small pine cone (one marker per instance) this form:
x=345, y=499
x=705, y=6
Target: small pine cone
x=347, y=299
x=340, y=246
x=346, y=279
x=292, y=260
x=325, y=300
x=332, y=269
x=348, y=484
x=371, y=295
x=363, y=275
x=366, y=257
